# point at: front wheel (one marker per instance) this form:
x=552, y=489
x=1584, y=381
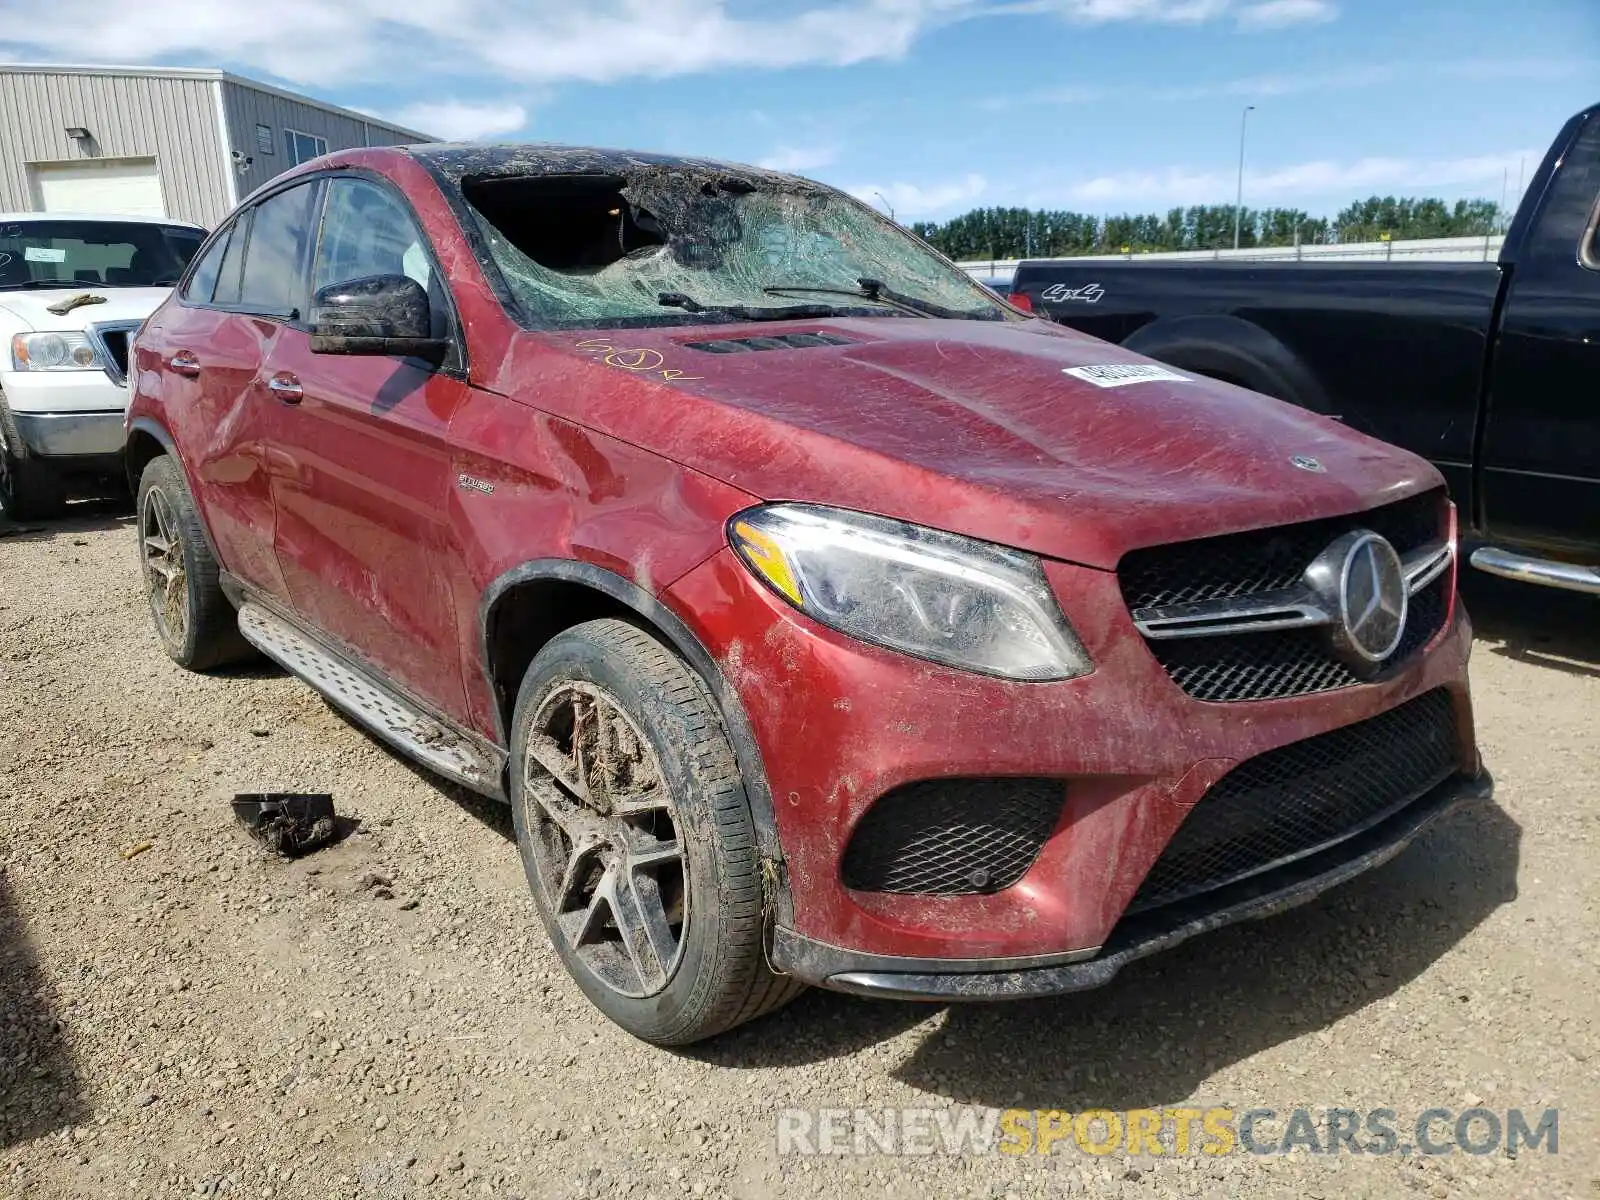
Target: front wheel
x=29, y=489
x=637, y=838
x=197, y=626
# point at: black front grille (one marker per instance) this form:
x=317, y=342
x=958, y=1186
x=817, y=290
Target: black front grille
x=1275, y=664
x=1288, y=662
x=116, y=344
x=1240, y=564
x=1295, y=800
x=952, y=837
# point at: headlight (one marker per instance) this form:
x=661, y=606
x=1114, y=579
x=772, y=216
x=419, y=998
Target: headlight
x=934, y=595
x=55, y=352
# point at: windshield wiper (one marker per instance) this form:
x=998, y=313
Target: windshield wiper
x=37, y=284
x=746, y=312
x=874, y=290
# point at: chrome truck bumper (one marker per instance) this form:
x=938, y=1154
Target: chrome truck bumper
x=70, y=434
x=1508, y=564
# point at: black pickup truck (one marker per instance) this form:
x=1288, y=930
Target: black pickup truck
x=1490, y=370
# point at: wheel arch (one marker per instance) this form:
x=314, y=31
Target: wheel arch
x=1236, y=351
x=148, y=440
x=526, y=606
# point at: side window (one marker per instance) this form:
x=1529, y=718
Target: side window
x=202, y=284
x=367, y=231
x=274, y=265
x=302, y=147
x=232, y=273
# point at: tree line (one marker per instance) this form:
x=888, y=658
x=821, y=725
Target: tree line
x=1027, y=233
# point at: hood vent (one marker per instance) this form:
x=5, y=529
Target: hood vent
x=787, y=341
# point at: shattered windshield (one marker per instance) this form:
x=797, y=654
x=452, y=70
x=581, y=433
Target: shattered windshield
x=663, y=245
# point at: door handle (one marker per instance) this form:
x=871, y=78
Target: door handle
x=184, y=363
x=286, y=388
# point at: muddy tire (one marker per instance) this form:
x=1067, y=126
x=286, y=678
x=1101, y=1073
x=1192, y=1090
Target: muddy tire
x=637, y=838
x=197, y=626
x=29, y=489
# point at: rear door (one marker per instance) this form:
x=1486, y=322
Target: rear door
x=1541, y=455
x=366, y=488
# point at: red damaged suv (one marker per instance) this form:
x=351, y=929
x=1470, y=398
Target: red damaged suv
x=823, y=618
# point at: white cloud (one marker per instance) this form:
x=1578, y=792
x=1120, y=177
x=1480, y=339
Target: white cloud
x=1278, y=14
x=459, y=121
x=799, y=159
x=1096, y=12
x=1297, y=181
x=912, y=201
x=349, y=42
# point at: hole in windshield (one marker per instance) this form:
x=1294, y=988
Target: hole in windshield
x=668, y=245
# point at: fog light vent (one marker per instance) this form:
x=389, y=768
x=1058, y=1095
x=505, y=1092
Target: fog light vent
x=953, y=837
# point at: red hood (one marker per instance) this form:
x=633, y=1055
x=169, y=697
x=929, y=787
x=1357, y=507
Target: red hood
x=969, y=426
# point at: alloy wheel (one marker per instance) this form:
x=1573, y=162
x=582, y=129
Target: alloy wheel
x=166, y=576
x=607, y=846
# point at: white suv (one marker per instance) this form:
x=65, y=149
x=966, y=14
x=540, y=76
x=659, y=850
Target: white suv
x=73, y=291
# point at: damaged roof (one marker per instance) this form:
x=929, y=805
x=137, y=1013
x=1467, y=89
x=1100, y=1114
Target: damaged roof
x=459, y=161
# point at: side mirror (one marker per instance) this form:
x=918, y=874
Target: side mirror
x=380, y=314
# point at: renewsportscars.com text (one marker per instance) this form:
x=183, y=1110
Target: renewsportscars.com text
x=1164, y=1131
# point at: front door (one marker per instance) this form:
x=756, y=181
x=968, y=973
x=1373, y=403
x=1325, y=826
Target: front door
x=1541, y=455
x=363, y=487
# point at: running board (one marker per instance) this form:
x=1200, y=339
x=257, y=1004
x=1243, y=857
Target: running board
x=398, y=721
x=1508, y=564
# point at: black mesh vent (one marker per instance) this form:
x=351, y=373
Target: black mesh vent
x=1292, y=801
x=786, y=341
x=1293, y=662
x=953, y=837
x=1240, y=564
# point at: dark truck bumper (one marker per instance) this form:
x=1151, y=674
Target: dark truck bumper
x=1135, y=937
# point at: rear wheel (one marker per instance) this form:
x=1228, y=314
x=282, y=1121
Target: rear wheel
x=197, y=626
x=637, y=838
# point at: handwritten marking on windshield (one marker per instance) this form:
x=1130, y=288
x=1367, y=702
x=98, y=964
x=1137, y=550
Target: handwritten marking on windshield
x=642, y=361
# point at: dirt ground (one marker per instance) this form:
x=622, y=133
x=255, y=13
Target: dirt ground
x=199, y=1018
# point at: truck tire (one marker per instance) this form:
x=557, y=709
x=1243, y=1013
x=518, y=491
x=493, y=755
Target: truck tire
x=637, y=839
x=198, y=627
x=29, y=489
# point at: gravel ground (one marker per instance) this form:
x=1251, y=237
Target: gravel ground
x=198, y=1018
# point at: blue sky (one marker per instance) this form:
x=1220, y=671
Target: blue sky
x=940, y=105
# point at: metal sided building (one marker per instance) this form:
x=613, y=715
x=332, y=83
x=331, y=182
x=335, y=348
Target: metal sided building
x=170, y=142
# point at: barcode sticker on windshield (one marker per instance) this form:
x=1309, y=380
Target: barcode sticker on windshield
x=43, y=254
x=1113, y=375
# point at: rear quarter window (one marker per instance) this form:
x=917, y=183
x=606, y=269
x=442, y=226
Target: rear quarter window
x=202, y=285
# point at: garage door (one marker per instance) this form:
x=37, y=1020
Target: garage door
x=115, y=185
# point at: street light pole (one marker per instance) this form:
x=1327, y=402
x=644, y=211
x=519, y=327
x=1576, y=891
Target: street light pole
x=1238, y=203
x=887, y=205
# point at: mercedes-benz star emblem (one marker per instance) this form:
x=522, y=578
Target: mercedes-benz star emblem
x=1361, y=580
x=1372, y=598
x=1306, y=463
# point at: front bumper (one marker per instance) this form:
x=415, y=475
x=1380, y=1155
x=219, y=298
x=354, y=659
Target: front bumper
x=839, y=724
x=71, y=434
x=1135, y=937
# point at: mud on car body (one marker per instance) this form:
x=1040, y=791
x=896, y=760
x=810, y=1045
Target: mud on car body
x=824, y=619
